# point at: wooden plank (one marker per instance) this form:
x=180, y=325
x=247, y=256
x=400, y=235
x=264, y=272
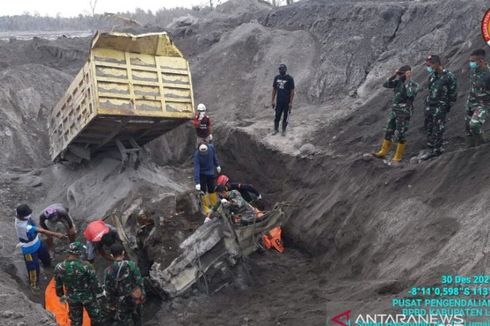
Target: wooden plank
x=141, y=82
x=143, y=113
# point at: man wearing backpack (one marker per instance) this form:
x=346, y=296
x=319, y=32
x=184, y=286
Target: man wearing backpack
x=124, y=289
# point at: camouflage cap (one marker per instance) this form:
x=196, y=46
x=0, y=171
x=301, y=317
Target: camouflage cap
x=76, y=248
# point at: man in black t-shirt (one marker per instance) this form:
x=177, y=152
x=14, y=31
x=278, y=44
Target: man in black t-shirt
x=282, y=98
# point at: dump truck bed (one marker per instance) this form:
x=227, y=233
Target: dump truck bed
x=132, y=87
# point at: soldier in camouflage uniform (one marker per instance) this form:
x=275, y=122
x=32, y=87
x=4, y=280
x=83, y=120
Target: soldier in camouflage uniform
x=236, y=205
x=402, y=109
x=479, y=100
x=124, y=289
x=442, y=95
x=77, y=284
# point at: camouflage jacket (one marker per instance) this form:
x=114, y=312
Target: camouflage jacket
x=78, y=279
x=443, y=89
x=237, y=205
x=405, y=93
x=120, y=279
x=479, y=92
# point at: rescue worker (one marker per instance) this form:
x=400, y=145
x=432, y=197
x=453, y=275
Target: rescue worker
x=240, y=210
x=77, y=284
x=247, y=191
x=54, y=214
x=99, y=235
x=282, y=98
x=124, y=288
x=442, y=95
x=202, y=123
x=205, y=167
x=32, y=247
x=479, y=99
x=396, y=127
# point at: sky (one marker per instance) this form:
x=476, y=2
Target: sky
x=69, y=8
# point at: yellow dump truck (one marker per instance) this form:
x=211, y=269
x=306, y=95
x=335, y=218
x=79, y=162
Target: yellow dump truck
x=132, y=89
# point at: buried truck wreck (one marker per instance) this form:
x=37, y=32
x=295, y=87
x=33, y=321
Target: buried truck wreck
x=132, y=89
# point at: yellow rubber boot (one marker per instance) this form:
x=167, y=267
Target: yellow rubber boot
x=213, y=199
x=385, y=148
x=205, y=204
x=400, y=148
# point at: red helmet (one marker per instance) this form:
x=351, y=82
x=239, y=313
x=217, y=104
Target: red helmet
x=222, y=180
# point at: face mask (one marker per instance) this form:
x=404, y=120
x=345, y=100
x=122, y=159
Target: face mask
x=430, y=70
x=473, y=65
x=201, y=115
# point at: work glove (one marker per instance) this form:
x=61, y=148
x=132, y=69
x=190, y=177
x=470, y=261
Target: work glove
x=63, y=299
x=198, y=187
x=210, y=137
x=218, y=169
x=224, y=201
x=259, y=197
x=100, y=295
x=207, y=219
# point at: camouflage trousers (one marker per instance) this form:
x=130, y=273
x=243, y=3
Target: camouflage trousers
x=435, y=125
x=397, y=125
x=475, y=117
x=76, y=312
x=127, y=313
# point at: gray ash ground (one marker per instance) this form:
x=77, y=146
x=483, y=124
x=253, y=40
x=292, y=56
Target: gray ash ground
x=358, y=232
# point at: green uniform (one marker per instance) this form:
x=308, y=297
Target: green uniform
x=478, y=102
x=79, y=281
x=238, y=206
x=120, y=280
x=442, y=94
x=401, y=110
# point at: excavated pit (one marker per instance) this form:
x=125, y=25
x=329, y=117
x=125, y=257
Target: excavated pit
x=359, y=232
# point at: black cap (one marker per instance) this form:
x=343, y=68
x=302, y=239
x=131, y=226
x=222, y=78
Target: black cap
x=405, y=68
x=283, y=66
x=23, y=211
x=433, y=58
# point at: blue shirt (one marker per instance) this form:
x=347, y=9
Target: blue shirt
x=27, y=232
x=205, y=164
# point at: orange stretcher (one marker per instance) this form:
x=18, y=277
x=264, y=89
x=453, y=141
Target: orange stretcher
x=58, y=309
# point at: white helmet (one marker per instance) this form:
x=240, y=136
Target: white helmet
x=203, y=148
x=201, y=108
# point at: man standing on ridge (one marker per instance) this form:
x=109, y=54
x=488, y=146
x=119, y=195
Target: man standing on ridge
x=282, y=98
x=478, y=105
x=442, y=95
x=205, y=167
x=396, y=127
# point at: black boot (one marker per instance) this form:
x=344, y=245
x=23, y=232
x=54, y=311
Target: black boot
x=479, y=140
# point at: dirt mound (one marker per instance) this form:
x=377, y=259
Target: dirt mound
x=372, y=230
